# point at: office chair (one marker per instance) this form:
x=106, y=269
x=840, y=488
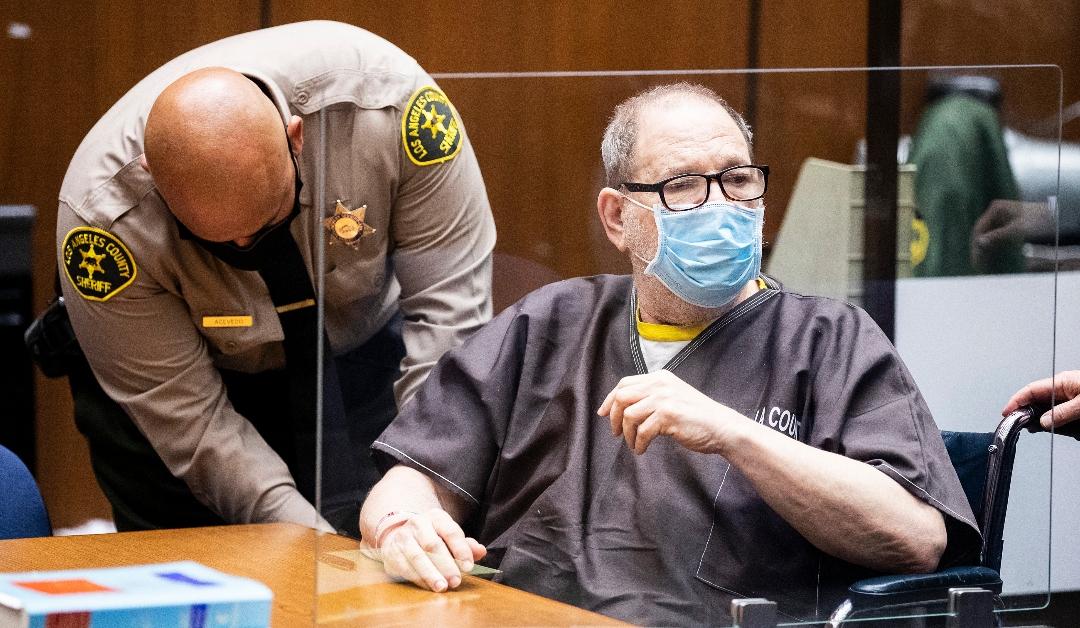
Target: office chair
x=22, y=511
x=984, y=463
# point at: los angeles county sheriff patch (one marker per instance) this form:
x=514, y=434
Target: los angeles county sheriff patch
x=97, y=263
x=429, y=128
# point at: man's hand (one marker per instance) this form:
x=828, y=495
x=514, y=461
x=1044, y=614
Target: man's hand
x=430, y=550
x=641, y=407
x=1065, y=390
x=1004, y=227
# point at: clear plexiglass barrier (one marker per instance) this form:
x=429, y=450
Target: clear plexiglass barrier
x=842, y=421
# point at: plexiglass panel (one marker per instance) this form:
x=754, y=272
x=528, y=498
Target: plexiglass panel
x=507, y=432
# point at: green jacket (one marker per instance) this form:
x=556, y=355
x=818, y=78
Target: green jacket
x=962, y=166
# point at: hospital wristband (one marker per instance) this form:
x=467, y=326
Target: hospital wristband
x=390, y=521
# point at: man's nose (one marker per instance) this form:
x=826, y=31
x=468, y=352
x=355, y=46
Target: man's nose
x=244, y=242
x=715, y=191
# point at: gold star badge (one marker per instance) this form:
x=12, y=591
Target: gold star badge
x=347, y=225
x=91, y=261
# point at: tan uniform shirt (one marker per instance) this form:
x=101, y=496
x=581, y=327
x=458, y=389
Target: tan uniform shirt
x=149, y=342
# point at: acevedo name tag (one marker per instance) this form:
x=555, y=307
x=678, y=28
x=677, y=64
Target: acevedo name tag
x=227, y=321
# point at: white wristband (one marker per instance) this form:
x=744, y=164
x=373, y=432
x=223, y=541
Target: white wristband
x=388, y=522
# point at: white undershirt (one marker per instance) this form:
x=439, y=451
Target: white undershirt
x=657, y=353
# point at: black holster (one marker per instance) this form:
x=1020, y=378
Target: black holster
x=51, y=340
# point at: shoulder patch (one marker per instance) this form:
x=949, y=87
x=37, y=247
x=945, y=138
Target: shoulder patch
x=97, y=263
x=430, y=133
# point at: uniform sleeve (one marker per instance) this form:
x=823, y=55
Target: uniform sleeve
x=149, y=358
x=454, y=427
x=868, y=408
x=443, y=236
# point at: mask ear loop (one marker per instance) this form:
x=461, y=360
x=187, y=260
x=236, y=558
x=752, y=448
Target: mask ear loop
x=660, y=236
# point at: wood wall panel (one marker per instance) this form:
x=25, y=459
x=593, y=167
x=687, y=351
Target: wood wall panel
x=800, y=115
x=537, y=139
x=48, y=105
x=78, y=60
x=491, y=35
x=961, y=32
x=133, y=37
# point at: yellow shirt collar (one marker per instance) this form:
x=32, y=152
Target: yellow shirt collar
x=659, y=332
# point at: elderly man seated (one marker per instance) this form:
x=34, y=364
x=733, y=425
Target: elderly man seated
x=651, y=446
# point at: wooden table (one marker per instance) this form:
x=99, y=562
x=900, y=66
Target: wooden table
x=353, y=590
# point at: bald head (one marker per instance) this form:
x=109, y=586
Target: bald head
x=216, y=147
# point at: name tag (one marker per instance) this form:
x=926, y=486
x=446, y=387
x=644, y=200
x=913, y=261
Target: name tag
x=227, y=321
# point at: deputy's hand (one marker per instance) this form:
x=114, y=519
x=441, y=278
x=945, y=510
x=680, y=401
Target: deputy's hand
x=1063, y=387
x=430, y=550
x=641, y=407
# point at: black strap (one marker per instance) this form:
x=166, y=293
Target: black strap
x=293, y=296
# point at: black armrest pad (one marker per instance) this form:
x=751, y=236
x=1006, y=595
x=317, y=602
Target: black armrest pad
x=926, y=586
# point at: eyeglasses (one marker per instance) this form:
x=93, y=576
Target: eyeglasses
x=688, y=191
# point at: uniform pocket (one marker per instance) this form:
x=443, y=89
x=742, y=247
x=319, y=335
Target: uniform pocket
x=245, y=338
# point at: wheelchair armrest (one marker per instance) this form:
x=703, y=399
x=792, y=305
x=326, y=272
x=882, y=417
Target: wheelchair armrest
x=918, y=588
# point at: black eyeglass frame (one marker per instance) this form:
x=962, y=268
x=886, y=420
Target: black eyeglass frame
x=658, y=187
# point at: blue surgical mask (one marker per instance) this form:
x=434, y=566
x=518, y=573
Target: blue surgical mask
x=708, y=254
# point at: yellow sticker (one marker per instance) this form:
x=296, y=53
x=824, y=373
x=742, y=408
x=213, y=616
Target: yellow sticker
x=920, y=243
x=430, y=133
x=97, y=263
x=227, y=321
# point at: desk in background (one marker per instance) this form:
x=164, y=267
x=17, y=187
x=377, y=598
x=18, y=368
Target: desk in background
x=353, y=589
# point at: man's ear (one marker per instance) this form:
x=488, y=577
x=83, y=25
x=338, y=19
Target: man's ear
x=609, y=204
x=295, y=131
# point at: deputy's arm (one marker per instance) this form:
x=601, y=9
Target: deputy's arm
x=443, y=238
x=844, y=507
x=412, y=522
x=149, y=358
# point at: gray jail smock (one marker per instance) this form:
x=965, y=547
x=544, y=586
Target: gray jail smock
x=429, y=258
x=509, y=422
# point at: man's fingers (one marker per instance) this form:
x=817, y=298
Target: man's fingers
x=1061, y=414
x=605, y=407
x=435, y=547
x=454, y=538
x=646, y=432
x=620, y=398
x=632, y=418
x=996, y=237
x=630, y=392
x=478, y=550
x=609, y=410
x=1038, y=391
x=999, y=213
x=397, y=565
x=421, y=562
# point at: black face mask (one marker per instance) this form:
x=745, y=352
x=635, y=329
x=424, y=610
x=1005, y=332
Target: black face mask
x=267, y=240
